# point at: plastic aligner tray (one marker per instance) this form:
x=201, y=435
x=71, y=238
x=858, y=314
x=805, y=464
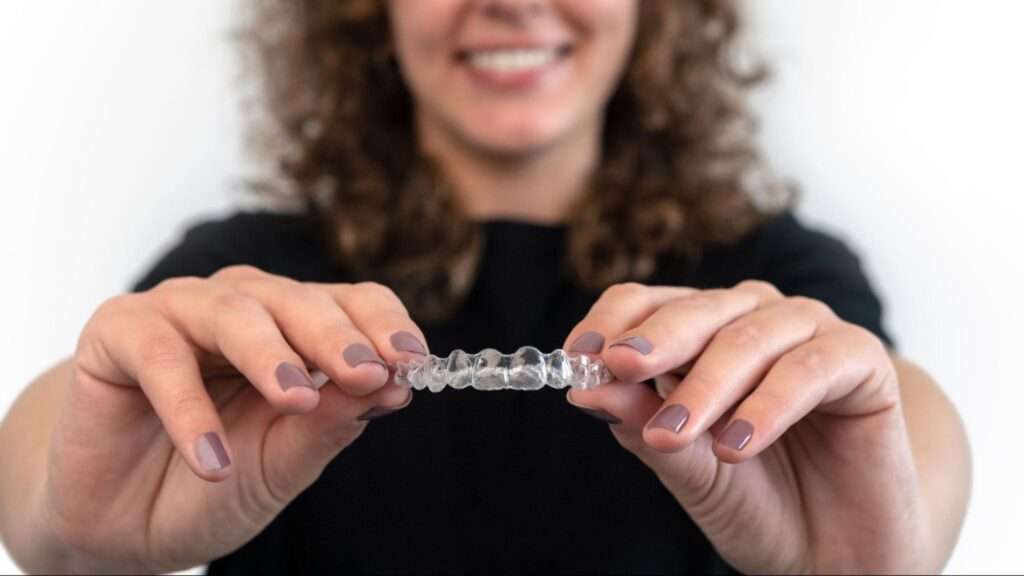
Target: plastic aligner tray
x=526, y=369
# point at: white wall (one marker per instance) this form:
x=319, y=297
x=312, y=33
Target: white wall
x=118, y=125
x=902, y=121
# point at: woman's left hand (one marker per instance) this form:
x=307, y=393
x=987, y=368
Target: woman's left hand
x=776, y=425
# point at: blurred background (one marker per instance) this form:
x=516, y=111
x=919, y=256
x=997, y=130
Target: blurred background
x=120, y=124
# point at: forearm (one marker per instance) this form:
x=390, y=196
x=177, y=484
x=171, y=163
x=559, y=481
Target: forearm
x=942, y=457
x=24, y=440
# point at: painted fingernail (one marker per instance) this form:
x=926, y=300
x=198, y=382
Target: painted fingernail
x=379, y=411
x=319, y=379
x=600, y=415
x=290, y=376
x=588, y=343
x=638, y=343
x=736, y=435
x=405, y=342
x=210, y=452
x=671, y=417
x=359, y=353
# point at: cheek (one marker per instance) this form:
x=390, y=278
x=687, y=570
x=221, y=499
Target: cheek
x=421, y=31
x=608, y=29
x=613, y=22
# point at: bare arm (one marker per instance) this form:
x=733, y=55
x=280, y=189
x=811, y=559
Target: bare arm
x=24, y=438
x=941, y=453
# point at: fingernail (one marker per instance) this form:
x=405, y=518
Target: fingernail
x=319, y=379
x=290, y=376
x=358, y=353
x=588, y=343
x=405, y=342
x=377, y=412
x=638, y=343
x=600, y=415
x=736, y=435
x=671, y=417
x=210, y=452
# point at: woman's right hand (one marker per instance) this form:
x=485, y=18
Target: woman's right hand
x=191, y=419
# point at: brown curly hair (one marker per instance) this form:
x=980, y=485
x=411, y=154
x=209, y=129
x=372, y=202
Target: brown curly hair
x=679, y=167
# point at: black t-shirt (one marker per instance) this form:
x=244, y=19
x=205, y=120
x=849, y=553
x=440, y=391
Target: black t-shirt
x=501, y=481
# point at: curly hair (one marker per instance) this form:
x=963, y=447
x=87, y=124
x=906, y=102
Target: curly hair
x=679, y=168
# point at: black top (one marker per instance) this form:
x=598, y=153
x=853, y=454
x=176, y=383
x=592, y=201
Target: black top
x=501, y=481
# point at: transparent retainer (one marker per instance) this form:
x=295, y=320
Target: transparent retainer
x=526, y=369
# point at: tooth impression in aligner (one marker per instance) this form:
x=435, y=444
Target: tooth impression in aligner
x=526, y=369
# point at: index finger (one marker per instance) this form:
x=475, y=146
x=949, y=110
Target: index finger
x=382, y=317
x=620, y=307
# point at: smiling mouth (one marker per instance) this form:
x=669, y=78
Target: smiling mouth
x=511, y=60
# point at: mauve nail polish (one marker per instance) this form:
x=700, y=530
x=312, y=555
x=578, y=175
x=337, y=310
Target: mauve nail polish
x=356, y=354
x=319, y=379
x=588, y=343
x=210, y=452
x=377, y=412
x=736, y=435
x=600, y=415
x=638, y=343
x=290, y=376
x=405, y=342
x=671, y=417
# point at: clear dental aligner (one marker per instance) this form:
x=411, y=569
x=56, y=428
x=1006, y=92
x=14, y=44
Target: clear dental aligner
x=526, y=369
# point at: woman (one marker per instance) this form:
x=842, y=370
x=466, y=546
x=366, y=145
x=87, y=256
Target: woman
x=493, y=173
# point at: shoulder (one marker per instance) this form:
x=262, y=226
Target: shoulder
x=800, y=260
x=244, y=229
x=257, y=238
x=782, y=247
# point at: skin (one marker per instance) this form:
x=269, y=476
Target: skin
x=857, y=461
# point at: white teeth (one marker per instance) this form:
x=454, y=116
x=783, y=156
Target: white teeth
x=512, y=60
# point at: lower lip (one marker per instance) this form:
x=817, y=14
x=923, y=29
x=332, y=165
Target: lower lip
x=513, y=80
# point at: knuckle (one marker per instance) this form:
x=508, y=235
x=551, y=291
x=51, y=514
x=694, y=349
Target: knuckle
x=178, y=284
x=759, y=286
x=811, y=307
x=375, y=289
x=320, y=294
x=742, y=335
x=237, y=273
x=700, y=303
x=316, y=296
x=624, y=290
x=867, y=340
x=236, y=303
x=118, y=305
x=863, y=336
x=768, y=401
x=811, y=362
x=162, y=350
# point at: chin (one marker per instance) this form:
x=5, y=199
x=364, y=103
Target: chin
x=513, y=137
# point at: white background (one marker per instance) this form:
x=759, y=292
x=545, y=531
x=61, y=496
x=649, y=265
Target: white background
x=902, y=121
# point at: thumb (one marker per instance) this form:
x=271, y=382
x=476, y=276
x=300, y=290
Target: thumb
x=688, y=473
x=298, y=447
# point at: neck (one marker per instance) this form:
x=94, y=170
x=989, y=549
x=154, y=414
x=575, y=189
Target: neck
x=541, y=187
